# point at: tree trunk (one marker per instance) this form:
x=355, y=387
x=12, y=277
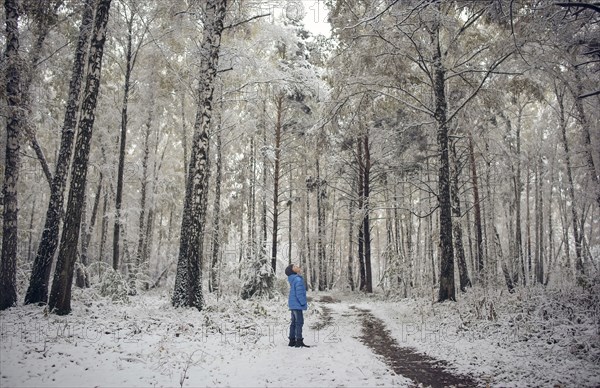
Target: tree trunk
x=276, y=174
x=87, y=233
x=539, y=224
x=45, y=18
x=587, y=139
x=350, y=270
x=321, y=256
x=184, y=141
x=366, y=216
x=40, y=274
x=31, y=226
x=103, y=230
x=79, y=267
x=571, y=186
x=446, y=291
x=518, y=187
x=188, y=281
x=528, y=218
x=289, y=205
x=216, y=235
x=458, y=240
x=60, y=296
x=507, y=276
x=309, y=256
x=252, y=243
x=410, y=246
x=141, y=261
x=361, y=229
x=83, y=280
x=122, y=145
x=14, y=127
x=479, y=262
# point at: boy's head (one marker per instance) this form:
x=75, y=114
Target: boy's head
x=292, y=269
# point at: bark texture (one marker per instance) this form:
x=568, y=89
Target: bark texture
x=60, y=295
x=188, y=280
x=40, y=274
x=14, y=126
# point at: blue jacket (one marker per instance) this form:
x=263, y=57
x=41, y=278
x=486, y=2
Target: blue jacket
x=297, y=298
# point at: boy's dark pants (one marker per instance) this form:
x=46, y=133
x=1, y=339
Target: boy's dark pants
x=296, y=325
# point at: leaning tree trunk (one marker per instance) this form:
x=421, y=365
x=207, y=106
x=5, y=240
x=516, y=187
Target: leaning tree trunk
x=44, y=18
x=40, y=274
x=60, y=295
x=14, y=126
x=188, y=280
x=446, y=291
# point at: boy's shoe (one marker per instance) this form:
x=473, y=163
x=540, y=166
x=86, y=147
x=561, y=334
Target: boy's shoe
x=292, y=342
x=300, y=343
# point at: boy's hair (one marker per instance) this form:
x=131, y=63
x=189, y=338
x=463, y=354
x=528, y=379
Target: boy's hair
x=289, y=270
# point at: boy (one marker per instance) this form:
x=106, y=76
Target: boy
x=297, y=304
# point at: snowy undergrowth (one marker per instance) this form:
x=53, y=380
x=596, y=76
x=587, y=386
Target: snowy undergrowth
x=533, y=337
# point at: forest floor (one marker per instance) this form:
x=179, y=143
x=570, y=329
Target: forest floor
x=356, y=340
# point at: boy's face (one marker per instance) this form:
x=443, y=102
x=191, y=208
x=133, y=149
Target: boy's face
x=297, y=269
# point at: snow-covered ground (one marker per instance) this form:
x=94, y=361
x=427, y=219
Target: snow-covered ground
x=244, y=343
x=149, y=343
x=533, y=338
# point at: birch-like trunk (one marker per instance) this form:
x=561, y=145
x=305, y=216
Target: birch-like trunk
x=216, y=235
x=447, y=289
x=60, y=295
x=40, y=273
x=188, y=280
x=14, y=127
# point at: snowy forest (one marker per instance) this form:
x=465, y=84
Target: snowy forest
x=433, y=166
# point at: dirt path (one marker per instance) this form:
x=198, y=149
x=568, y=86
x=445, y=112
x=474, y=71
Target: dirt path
x=420, y=368
x=425, y=371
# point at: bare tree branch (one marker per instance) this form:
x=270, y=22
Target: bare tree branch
x=246, y=21
x=589, y=94
x=593, y=6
